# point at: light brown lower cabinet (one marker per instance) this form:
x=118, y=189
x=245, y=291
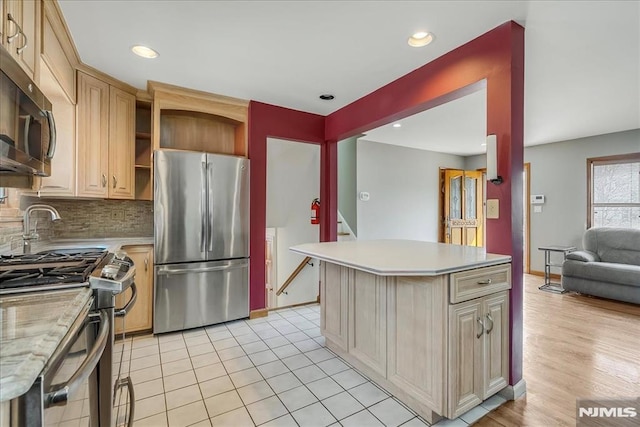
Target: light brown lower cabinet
x=140, y=318
x=478, y=350
x=406, y=333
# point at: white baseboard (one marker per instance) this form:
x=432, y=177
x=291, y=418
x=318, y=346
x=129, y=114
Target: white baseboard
x=513, y=392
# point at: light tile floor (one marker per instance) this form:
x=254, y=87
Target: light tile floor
x=271, y=371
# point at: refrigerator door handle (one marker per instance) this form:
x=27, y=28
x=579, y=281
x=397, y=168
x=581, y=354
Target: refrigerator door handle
x=173, y=271
x=203, y=210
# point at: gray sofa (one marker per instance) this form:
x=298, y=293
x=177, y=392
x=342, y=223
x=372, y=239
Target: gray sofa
x=608, y=267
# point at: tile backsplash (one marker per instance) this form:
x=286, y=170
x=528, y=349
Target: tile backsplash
x=81, y=219
x=84, y=219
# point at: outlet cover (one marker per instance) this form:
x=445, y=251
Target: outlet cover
x=117, y=215
x=493, y=208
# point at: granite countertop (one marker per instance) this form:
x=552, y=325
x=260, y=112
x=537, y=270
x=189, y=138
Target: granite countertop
x=401, y=257
x=32, y=326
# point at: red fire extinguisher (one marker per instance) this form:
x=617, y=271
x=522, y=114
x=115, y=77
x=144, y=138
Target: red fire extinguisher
x=315, y=211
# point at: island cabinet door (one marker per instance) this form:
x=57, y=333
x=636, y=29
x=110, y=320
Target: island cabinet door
x=368, y=320
x=334, y=284
x=496, y=356
x=417, y=338
x=466, y=348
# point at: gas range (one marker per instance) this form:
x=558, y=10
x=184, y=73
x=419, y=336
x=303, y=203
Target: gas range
x=107, y=274
x=64, y=269
x=48, y=270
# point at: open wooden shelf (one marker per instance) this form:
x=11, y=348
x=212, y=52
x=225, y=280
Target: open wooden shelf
x=143, y=167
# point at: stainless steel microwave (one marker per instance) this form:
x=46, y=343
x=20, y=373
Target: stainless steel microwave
x=27, y=128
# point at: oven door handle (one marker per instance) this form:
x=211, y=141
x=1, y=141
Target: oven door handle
x=121, y=312
x=61, y=395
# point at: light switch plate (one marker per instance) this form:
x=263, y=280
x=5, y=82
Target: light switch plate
x=493, y=208
x=537, y=209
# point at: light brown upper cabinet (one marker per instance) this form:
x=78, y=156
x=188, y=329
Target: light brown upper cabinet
x=20, y=32
x=193, y=120
x=106, y=139
x=58, y=50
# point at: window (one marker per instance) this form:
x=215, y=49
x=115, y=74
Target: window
x=614, y=191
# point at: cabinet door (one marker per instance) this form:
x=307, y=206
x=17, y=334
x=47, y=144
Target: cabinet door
x=417, y=312
x=23, y=47
x=466, y=338
x=93, y=136
x=141, y=315
x=496, y=351
x=62, y=181
x=122, y=139
x=368, y=320
x=334, y=282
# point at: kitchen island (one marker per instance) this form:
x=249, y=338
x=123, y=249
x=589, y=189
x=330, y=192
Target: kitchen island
x=427, y=321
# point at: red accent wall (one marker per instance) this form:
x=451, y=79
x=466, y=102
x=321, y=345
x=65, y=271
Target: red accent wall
x=266, y=120
x=494, y=61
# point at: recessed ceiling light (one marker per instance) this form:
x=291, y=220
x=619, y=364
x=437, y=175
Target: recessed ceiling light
x=484, y=144
x=419, y=39
x=145, y=52
x=397, y=125
x=326, y=97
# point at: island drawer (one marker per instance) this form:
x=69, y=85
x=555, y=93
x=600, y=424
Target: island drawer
x=470, y=284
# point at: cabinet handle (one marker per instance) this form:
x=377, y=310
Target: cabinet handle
x=11, y=38
x=115, y=181
x=489, y=318
x=484, y=282
x=104, y=180
x=24, y=46
x=481, y=326
x=146, y=264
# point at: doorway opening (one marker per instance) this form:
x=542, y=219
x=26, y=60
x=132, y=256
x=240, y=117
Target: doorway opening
x=293, y=182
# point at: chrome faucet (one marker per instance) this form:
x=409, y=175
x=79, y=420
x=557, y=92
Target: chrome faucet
x=28, y=235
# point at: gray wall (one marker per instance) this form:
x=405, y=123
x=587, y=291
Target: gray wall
x=347, y=188
x=559, y=172
x=403, y=184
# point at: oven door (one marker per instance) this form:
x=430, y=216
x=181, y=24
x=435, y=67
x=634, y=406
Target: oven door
x=70, y=394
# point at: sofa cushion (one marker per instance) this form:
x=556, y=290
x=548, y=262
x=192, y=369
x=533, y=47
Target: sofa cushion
x=584, y=256
x=615, y=245
x=606, y=272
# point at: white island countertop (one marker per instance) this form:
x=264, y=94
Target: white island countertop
x=401, y=257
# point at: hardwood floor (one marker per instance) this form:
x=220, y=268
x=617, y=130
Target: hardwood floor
x=574, y=347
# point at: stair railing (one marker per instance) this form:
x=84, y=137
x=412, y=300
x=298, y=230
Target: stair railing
x=293, y=275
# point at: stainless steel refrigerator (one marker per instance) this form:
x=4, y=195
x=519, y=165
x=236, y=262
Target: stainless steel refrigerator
x=201, y=236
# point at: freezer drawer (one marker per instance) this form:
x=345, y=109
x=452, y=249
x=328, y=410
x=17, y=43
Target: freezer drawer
x=190, y=295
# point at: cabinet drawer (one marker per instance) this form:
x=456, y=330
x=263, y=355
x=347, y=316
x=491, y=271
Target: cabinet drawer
x=466, y=285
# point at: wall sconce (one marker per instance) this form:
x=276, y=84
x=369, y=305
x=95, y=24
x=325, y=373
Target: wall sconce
x=492, y=160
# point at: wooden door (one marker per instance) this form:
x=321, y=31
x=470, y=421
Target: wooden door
x=466, y=338
x=463, y=207
x=140, y=318
x=93, y=136
x=122, y=140
x=496, y=352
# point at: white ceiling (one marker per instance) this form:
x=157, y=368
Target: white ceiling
x=457, y=127
x=582, y=74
